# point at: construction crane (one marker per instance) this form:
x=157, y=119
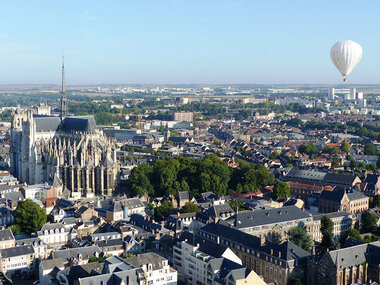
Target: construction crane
x=139, y=116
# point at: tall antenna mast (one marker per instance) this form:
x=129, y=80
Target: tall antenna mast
x=64, y=106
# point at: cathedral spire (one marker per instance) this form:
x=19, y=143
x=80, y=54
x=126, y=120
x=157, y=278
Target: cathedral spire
x=64, y=107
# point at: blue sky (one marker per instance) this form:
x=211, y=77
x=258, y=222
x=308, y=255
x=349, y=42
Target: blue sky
x=185, y=41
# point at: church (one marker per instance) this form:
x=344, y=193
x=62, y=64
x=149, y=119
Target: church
x=68, y=151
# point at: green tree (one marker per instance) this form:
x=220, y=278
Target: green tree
x=29, y=216
x=352, y=233
x=16, y=229
x=355, y=234
x=345, y=147
x=236, y=204
x=370, y=149
x=374, y=201
x=369, y=222
x=353, y=164
x=162, y=211
x=327, y=227
x=190, y=208
x=140, y=180
x=308, y=149
x=96, y=259
x=299, y=236
x=295, y=281
x=335, y=161
x=281, y=190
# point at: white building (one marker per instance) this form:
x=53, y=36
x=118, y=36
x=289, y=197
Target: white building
x=199, y=262
x=46, y=266
x=343, y=222
x=55, y=234
x=156, y=269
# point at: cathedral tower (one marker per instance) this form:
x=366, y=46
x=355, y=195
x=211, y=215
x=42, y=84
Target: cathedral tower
x=64, y=107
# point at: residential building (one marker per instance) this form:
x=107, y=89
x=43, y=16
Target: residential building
x=275, y=262
x=79, y=255
x=122, y=208
x=7, y=239
x=19, y=258
x=41, y=250
x=271, y=225
x=343, y=222
x=46, y=267
x=56, y=234
x=183, y=116
x=200, y=261
x=6, y=216
x=156, y=268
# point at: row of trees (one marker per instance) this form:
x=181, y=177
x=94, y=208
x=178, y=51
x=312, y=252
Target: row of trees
x=207, y=174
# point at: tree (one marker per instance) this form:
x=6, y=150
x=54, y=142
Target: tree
x=374, y=201
x=370, y=149
x=369, y=222
x=353, y=164
x=335, y=161
x=310, y=149
x=327, y=227
x=16, y=229
x=345, y=147
x=29, y=216
x=295, y=281
x=190, y=208
x=281, y=190
x=236, y=204
x=162, y=211
x=299, y=236
x=96, y=259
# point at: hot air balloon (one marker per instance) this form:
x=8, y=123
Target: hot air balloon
x=346, y=55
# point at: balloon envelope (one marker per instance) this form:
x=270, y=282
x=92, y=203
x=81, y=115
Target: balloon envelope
x=346, y=55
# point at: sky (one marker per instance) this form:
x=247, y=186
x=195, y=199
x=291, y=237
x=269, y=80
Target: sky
x=185, y=41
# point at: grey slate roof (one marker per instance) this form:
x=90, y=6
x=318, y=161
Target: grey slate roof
x=331, y=215
x=334, y=196
x=32, y=241
x=350, y=256
x=79, y=123
x=246, y=219
x=183, y=195
x=51, y=263
x=86, y=252
x=355, y=195
x=220, y=211
x=16, y=251
x=6, y=235
x=83, y=271
x=46, y=123
x=209, y=247
x=147, y=258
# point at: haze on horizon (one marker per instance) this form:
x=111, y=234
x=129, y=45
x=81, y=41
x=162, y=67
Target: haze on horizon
x=185, y=42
